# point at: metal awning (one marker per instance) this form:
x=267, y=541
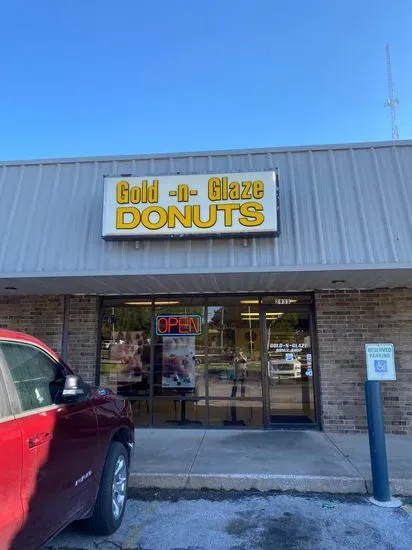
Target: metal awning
x=243, y=282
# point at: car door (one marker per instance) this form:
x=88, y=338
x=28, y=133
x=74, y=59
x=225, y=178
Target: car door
x=11, y=509
x=58, y=441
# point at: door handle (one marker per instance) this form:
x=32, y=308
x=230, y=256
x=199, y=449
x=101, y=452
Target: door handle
x=39, y=439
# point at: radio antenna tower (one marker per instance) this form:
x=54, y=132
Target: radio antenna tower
x=392, y=102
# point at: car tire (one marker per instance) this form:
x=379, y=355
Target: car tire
x=110, y=504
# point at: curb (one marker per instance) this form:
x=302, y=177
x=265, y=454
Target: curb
x=401, y=487
x=245, y=482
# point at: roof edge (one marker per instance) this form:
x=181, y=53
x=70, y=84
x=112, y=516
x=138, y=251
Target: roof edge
x=301, y=268
x=216, y=153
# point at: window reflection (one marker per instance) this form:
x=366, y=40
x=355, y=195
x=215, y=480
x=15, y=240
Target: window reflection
x=202, y=362
x=235, y=414
x=234, y=364
x=169, y=412
x=290, y=367
x=179, y=365
x=125, y=350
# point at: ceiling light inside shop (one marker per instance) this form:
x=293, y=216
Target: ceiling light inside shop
x=256, y=314
x=249, y=302
x=268, y=318
x=166, y=303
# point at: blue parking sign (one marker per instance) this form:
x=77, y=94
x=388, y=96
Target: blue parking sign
x=380, y=361
x=381, y=365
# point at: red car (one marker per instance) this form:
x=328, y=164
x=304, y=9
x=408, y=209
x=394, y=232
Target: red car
x=65, y=447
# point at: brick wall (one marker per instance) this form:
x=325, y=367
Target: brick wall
x=40, y=316
x=346, y=321
x=83, y=325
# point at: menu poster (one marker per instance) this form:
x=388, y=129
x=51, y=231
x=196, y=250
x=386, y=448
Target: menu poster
x=179, y=364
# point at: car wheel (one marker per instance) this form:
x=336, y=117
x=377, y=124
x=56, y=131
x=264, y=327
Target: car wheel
x=111, y=499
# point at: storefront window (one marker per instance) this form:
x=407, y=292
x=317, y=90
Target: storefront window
x=233, y=413
x=179, y=412
x=125, y=350
x=205, y=361
x=179, y=362
x=234, y=362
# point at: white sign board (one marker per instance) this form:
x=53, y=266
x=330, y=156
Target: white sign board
x=380, y=361
x=190, y=205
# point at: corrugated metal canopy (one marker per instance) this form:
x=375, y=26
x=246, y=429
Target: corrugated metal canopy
x=343, y=209
x=298, y=281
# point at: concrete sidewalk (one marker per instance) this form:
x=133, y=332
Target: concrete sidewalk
x=304, y=461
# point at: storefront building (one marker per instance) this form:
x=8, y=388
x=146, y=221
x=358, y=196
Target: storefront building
x=219, y=289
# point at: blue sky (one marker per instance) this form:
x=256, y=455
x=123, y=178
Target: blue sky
x=97, y=77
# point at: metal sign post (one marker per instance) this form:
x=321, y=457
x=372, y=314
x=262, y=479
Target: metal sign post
x=380, y=364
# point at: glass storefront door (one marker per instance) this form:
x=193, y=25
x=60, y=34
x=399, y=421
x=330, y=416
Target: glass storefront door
x=289, y=364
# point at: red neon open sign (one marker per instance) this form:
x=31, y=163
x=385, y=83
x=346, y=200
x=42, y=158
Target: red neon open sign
x=178, y=325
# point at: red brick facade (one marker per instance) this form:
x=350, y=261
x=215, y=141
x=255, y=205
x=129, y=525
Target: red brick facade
x=83, y=334
x=42, y=316
x=345, y=322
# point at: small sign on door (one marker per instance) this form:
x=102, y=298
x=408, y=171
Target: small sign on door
x=380, y=361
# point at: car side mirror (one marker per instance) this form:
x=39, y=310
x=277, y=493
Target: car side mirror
x=74, y=388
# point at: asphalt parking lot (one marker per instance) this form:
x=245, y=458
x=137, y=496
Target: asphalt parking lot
x=206, y=520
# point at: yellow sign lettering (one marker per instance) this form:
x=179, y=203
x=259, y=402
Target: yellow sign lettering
x=184, y=218
x=161, y=214
x=229, y=204
x=198, y=222
x=132, y=213
x=228, y=210
x=137, y=194
x=234, y=191
x=222, y=189
x=213, y=189
x=246, y=185
x=122, y=192
x=258, y=189
x=252, y=212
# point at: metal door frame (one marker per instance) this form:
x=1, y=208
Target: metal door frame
x=309, y=310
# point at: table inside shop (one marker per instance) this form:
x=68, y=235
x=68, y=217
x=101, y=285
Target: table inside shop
x=183, y=418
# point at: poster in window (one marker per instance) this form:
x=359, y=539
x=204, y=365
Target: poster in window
x=127, y=360
x=179, y=364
